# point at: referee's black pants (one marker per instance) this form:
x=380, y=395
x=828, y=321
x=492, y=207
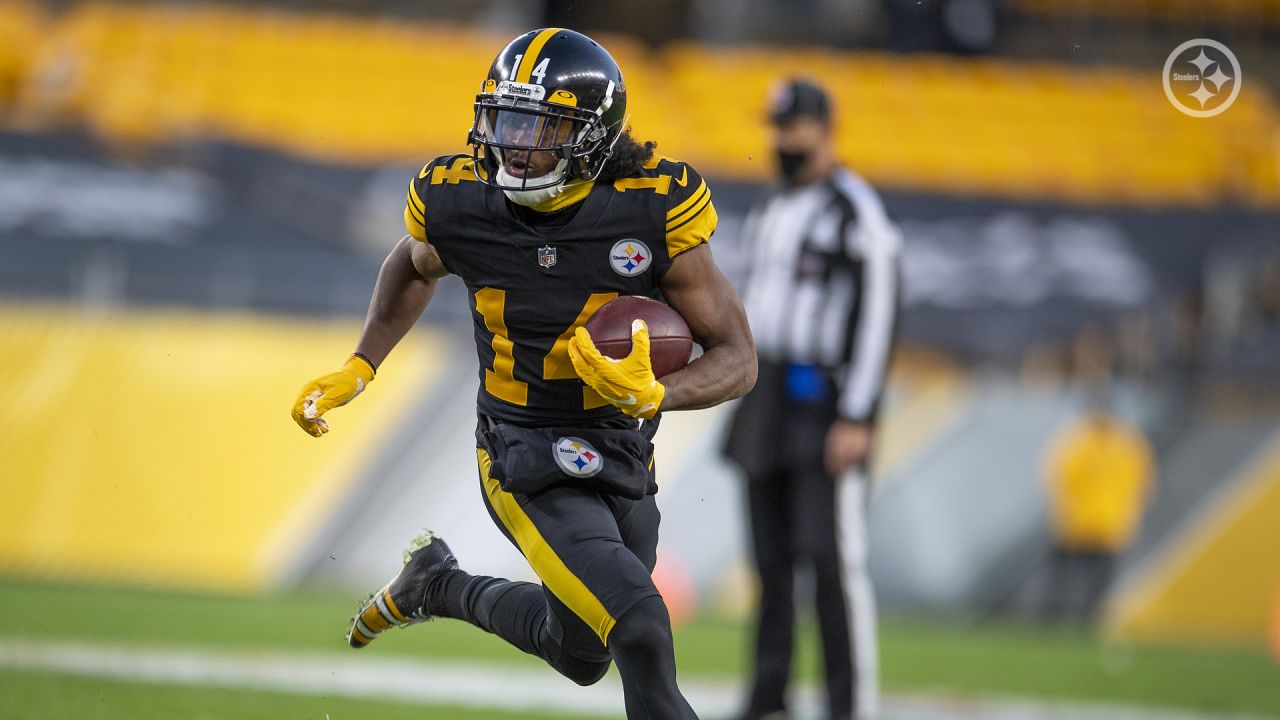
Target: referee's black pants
x=804, y=520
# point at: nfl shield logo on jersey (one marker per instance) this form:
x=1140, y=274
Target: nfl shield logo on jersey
x=546, y=256
x=577, y=458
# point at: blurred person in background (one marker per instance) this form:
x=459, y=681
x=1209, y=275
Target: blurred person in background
x=822, y=299
x=530, y=220
x=1101, y=473
x=1264, y=301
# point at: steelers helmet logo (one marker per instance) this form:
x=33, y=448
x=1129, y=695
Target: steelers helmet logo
x=576, y=457
x=630, y=257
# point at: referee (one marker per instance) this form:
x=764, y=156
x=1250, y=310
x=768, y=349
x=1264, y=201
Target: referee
x=822, y=299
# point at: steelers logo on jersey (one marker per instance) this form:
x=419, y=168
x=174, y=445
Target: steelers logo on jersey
x=576, y=457
x=630, y=257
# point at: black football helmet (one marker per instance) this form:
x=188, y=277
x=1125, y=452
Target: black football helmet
x=550, y=90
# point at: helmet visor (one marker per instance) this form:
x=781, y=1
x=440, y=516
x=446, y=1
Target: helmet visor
x=526, y=130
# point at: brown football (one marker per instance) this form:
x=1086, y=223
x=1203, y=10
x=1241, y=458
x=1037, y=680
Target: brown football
x=670, y=342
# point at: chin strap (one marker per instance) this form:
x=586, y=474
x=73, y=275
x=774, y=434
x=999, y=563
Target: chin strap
x=532, y=198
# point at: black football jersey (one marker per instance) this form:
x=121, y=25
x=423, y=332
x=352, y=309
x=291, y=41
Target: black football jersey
x=530, y=288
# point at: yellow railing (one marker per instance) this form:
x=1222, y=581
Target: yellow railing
x=382, y=91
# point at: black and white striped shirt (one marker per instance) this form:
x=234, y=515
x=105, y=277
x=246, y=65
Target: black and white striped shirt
x=822, y=287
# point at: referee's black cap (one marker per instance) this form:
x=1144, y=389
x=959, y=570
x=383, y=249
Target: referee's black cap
x=797, y=97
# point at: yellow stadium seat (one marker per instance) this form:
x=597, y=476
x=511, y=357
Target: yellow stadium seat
x=350, y=89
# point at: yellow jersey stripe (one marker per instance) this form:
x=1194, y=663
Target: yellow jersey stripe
x=542, y=558
x=416, y=228
x=689, y=202
x=417, y=212
x=530, y=58
x=694, y=232
x=703, y=201
x=417, y=201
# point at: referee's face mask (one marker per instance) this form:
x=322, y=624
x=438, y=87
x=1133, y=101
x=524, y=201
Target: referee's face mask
x=797, y=141
x=801, y=114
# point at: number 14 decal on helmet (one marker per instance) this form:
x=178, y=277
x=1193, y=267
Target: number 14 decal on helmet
x=539, y=73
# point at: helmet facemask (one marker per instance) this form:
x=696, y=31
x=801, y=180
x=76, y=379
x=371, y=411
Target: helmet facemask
x=529, y=145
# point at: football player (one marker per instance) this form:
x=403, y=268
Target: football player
x=555, y=211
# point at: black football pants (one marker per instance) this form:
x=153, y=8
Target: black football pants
x=597, y=602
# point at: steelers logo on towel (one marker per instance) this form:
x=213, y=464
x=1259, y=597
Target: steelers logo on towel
x=630, y=257
x=576, y=457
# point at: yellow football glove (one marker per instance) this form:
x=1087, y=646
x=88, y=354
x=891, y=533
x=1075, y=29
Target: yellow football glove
x=330, y=391
x=628, y=383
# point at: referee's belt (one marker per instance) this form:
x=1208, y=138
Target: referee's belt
x=808, y=384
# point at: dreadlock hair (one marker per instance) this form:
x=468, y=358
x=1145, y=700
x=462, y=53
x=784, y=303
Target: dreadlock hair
x=627, y=158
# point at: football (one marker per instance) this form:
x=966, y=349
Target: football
x=670, y=342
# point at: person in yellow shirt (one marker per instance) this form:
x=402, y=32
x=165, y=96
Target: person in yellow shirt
x=1101, y=473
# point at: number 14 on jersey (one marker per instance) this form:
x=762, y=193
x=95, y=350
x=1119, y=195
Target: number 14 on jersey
x=500, y=380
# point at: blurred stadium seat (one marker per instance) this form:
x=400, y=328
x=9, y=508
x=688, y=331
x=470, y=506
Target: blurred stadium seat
x=368, y=91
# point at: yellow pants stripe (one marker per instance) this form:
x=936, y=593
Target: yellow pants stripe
x=542, y=558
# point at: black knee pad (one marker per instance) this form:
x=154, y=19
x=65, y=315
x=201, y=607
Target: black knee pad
x=645, y=625
x=582, y=672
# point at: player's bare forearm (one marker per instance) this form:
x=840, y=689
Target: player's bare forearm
x=722, y=373
x=696, y=288
x=405, y=285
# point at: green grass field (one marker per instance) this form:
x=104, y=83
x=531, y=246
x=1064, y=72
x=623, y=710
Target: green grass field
x=917, y=656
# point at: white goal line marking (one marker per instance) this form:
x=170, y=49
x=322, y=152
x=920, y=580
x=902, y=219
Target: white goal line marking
x=486, y=685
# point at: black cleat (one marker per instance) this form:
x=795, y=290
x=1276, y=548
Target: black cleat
x=403, y=601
